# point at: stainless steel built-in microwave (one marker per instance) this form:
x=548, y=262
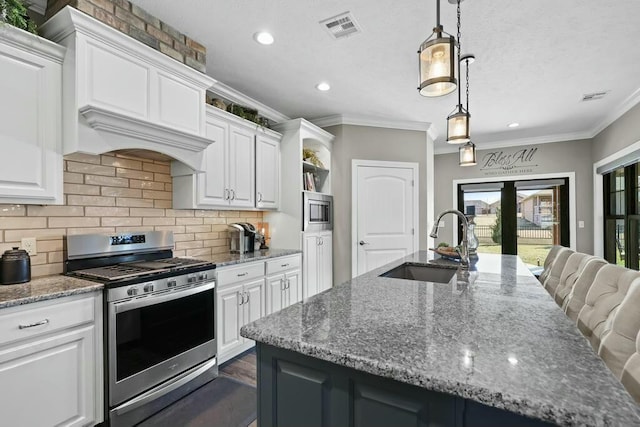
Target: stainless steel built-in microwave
x=318, y=212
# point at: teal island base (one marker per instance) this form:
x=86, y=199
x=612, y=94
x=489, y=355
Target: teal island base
x=296, y=390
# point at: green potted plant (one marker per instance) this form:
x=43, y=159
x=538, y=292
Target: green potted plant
x=14, y=12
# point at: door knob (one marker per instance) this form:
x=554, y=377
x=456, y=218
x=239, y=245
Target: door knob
x=362, y=243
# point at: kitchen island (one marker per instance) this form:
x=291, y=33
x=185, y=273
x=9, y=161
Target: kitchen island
x=489, y=348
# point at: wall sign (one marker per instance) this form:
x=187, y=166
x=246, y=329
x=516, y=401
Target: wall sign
x=508, y=162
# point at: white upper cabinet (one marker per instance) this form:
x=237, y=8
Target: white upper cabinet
x=30, y=132
x=122, y=94
x=267, y=172
x=234, y=175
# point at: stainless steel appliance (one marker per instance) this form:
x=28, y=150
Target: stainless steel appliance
x=317, y=212
x=242, y=238
x=160, y=339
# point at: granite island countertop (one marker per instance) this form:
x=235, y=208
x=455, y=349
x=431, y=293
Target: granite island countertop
x=494, y=336
x=45, y=288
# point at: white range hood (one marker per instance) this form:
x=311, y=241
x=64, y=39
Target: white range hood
x=120, y=94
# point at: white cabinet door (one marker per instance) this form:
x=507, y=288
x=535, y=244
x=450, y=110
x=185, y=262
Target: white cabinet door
x=30, y=122
x=294, y=287
x=275, y=286
x=254, y=305
x=212, y=184
x=242, y=178
x=50, y=381
x=230, y=318
x=325, y=264
x=267, y=172
x=310, y=269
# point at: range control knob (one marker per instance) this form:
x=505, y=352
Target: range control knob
x=191, y=278
x=171, y=283
x=132, y=292
x=202, y=276
x=148, y=287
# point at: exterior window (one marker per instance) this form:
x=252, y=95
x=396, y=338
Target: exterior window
x=622, y=216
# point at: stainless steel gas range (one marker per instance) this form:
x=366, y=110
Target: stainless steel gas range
x=159, y=317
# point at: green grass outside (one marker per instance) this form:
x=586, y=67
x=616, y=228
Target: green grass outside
x=530, y=254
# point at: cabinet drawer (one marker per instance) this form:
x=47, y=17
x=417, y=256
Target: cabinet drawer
x=278, y=265
x=240, y=273
x=36, y=319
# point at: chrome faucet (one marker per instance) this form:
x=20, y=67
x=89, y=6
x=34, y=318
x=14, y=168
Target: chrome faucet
x=464, y=254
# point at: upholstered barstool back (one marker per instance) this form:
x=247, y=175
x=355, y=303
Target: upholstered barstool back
x=619, y=342
x=553, y=279
x=630, y=377
x=572, y=269
x=609, y=288
x=548, y=262
x=574, y=302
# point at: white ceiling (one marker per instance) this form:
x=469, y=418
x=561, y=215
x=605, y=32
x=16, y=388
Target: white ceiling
x=534, y=60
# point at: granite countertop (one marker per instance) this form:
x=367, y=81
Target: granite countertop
x=493, y=335
x=226, y=259
x=45, y=288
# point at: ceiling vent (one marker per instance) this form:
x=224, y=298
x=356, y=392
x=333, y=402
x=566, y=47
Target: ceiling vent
x=593, y=96
x=341, y=26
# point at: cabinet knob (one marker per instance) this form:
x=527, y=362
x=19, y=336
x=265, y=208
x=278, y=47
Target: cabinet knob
x=226, y=194
x=259, y=196
x=362, y=243
x=233, y=194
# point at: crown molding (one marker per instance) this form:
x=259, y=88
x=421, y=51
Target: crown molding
x=547, y=139
x=307, y=130
x=631, y=101
x=362, y=120
x=70, y=22
x=31, y=43
x=238, y=97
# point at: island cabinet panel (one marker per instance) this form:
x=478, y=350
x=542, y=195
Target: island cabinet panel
x=296, y=390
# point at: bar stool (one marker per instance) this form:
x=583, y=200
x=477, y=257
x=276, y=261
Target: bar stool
x=574, y=302
x=553, y=279
x=570, y=273
x=630, y=377
x=609, y=288
x=619, y=342
x=548, y=261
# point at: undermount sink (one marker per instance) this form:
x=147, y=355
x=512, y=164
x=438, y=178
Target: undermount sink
x=422, y=272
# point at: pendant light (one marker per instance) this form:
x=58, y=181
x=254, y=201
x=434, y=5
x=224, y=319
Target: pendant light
x=467, y=154
x=468, y=151
x=437, y=61
x=458, y=122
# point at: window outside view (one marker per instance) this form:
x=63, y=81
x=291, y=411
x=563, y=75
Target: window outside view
x=537, y=222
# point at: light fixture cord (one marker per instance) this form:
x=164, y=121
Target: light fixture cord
x=459, y=49
x=467, y=61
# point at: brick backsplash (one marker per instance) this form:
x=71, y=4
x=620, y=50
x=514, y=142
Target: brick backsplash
x=114, y=193
x=142, y=26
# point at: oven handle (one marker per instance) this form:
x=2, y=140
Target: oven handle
x=164, y=389
x=157, y=299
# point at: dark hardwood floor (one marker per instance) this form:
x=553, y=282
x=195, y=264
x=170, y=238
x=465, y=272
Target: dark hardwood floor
x=242, y=368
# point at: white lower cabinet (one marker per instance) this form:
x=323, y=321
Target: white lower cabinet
x=240, y=300
x=244, y=295
x=51, y=363
x=317, y=270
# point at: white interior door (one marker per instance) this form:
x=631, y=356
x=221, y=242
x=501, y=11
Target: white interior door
x=385, y=213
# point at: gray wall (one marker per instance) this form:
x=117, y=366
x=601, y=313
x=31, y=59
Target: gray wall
x=570, y=156
x=368, y=143
x=620, y=134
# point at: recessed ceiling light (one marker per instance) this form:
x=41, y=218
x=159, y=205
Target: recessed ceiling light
x=513, y=125
x=263, y=38
x=324, y=86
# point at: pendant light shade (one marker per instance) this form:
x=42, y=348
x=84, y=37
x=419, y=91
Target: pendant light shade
x=458, y=126
x=468, y=154
x=437, y=65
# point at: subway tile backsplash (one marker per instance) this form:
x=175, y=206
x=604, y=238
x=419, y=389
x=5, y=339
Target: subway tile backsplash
x=114, y=193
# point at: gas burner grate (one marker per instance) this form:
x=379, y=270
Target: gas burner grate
x=114, y=272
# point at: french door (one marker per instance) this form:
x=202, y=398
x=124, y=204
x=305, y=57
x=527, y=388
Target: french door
x=524, y=218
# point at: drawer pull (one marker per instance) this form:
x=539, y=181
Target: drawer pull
x=31, y=325
x=285, y=265
x=242, y=274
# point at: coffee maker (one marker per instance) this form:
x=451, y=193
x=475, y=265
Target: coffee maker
x=242, y=236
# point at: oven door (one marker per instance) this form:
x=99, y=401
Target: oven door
x=157, y=337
